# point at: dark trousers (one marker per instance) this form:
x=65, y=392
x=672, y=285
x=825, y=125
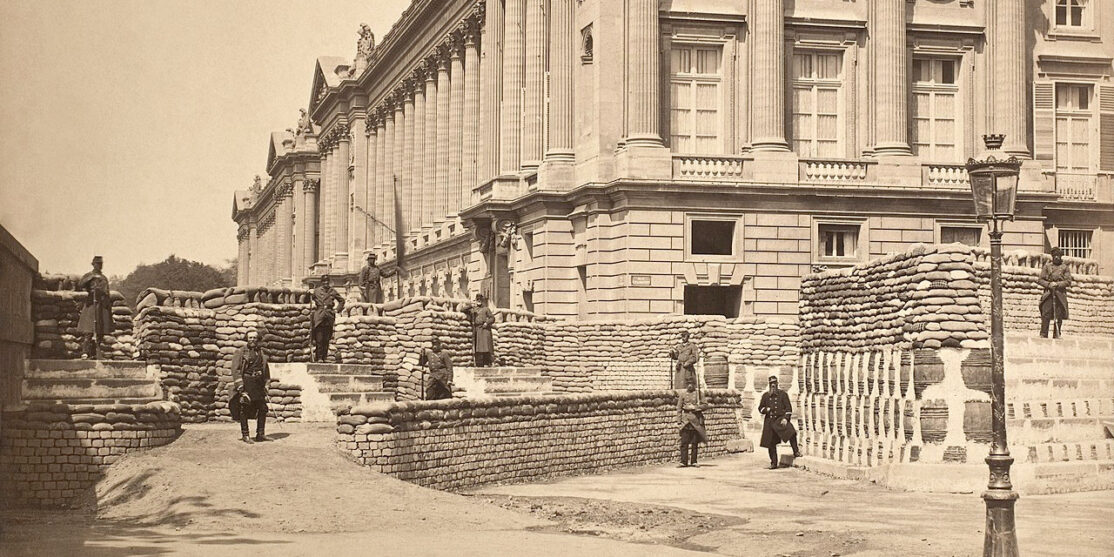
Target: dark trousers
x=89, y=344
x=1045, y=320
x=483, y=359
x=437, y=390
x=773, y=449
x=690, y=442
x=322, y=335
x=257, y=411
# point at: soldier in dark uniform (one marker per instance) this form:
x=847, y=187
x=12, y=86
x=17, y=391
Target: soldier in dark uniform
x=250, y=376
x=1055, y=277
x=482, y=320
x=778, y=424
x=440, y=366
x=686, y=354
x=96, y=311
x=691, y=409
x=323, y=317
x=371, y=287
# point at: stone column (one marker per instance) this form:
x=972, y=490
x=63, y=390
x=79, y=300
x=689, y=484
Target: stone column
x=359, y=157
x=1010, y=113
x=469, y=152
x=399, y=155
x=891, y=85
x=386, y=213
x=405, y=182
x=369, y=201
x=451, y=204
x=643, y=154
x=297, y=271
x=341, y=198
x=533, y=126
x=768, y=75
x=559, y=157
x=491, y=74
x=442, y=163
x=309, y=224
x=243, y=261
x=417, y=155
x=514, y=75
x=327, y=204
x=284, y=227
x=429, y=155
x=382, y=163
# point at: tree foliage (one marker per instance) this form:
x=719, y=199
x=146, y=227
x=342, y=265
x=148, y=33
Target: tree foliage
x=175, y=273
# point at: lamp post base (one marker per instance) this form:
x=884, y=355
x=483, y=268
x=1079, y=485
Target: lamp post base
x=1001, y=532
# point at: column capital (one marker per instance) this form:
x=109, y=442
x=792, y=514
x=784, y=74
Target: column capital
x=455, y=42
x=311, y=186
x=420, y=73
x=409, y=86
x=471, y=30
x=442, y=56
x=342, y=132
x=285, y=190
x=371, y=122
x=476, y=16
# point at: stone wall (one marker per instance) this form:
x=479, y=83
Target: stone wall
x=17, y=333
x=455, y=444
x=56, y=309
x=51, y=454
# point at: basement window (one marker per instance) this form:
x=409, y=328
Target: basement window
x=712, y=237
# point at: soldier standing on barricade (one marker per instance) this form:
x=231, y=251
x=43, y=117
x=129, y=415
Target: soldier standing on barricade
x=778, y=423
x=323, y=317
x=371, y=287
x=691, y=408
x=1055, y=277
x=686, y=355
x=483, y=343
x=250, y=376
x=440, y=366
x=96, y=313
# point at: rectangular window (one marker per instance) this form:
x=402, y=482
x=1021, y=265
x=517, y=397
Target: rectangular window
x=712, y=237
x=1075, y=243
x=817, y=79
x=1073, y=129
x=713, y=300
x=837, y=241
x=1071, y=13
x=695, y=93
x=935, y=109
x=966, y=235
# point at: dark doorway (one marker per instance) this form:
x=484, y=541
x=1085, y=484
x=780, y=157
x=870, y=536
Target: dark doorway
x=713, y=300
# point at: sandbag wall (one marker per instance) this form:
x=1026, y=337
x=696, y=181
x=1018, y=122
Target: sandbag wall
x=50, y=455
x=56, y=310
x=460, y=443
x=182, y=341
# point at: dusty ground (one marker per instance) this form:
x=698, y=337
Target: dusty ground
x=208, y=494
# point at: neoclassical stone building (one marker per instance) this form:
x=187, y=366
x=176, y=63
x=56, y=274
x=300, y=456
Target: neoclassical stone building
x=603, y=158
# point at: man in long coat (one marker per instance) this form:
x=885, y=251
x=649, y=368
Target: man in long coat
x=323, y=317
x=371, y=286
x=96, y=311
x=440, y=366
x=482, y=320
x=686, y=354
x=1055, y=277
x=691, y=409
x=250, y=376
x=778, y=423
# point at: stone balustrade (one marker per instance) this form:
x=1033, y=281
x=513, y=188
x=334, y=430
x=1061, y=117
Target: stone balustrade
x=712, y=168
x=835, y=171
x=945, y=176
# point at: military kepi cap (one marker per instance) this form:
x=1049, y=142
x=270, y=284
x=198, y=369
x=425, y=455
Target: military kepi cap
x=98, y=259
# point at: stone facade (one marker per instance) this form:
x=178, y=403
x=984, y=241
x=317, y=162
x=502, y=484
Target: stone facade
x=682, y=159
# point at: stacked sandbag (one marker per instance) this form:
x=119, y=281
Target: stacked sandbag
x=520, y=344
x=50, y=455
x=284, y=402
x=56, y=310
x=762, y=341
x=447, y=444
x=924, y=298
x=182, y=342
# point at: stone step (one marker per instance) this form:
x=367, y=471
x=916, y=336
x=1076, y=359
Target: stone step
x=1071, y=348
x=356, y=399
x=341, y=369
x=101, y=387
x=328, y=383
x=488, y=372
x=43, y=369
x=143, y=400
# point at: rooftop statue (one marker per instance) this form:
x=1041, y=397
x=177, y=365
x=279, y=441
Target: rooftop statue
x=303, y=122
x=257, y=185
x=366, y=44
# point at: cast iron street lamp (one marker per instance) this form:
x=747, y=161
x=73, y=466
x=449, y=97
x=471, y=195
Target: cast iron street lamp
x=994, y=186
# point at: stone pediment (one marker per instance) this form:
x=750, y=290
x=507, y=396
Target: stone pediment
x=326, y=75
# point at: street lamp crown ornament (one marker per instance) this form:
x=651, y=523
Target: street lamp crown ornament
x=994, y=177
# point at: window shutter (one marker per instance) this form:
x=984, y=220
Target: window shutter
x=1106, y=128
x=1044, y=120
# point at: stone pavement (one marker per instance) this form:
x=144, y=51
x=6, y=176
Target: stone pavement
x=793, y=512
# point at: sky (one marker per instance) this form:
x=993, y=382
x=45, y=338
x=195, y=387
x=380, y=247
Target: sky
x=125, y=126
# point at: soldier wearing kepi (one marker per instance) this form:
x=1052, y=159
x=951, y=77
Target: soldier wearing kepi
x=440, y=366
x=686, y=354
x=778, y=424
x=371, y=287
x=323, y=317
x=482, y=320
x=691, y=409
x=1055, y=277
x=250, y=376
x=96, y=312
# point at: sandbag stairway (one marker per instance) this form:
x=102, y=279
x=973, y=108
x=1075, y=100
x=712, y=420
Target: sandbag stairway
x=90, y=382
